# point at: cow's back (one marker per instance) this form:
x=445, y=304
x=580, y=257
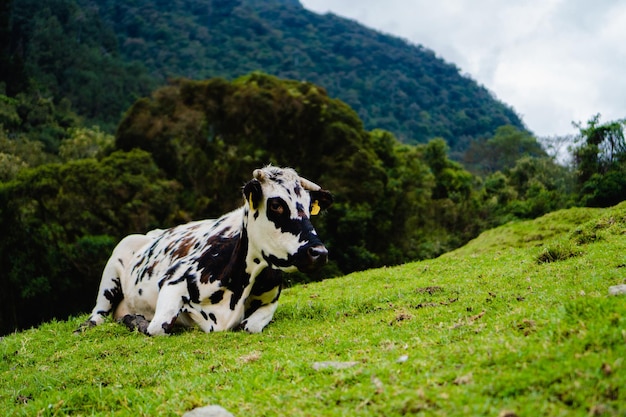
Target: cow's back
x=163, y=256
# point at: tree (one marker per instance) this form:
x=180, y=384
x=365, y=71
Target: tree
x=600, y=162
x=13, y=78
x=454, y=201
x=541, y=186
x=501, y=151
x=85, y=143
x=59, y=224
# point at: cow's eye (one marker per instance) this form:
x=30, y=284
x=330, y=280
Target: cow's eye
x=276, y=207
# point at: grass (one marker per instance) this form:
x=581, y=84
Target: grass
x=491, y=329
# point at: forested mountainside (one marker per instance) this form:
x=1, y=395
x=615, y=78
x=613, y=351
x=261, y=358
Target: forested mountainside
x=103, y=54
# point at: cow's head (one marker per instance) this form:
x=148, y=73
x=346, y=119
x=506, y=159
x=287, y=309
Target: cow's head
x=278, y=206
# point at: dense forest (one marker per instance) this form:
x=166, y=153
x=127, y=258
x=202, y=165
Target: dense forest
x=181, y=150
x=103, y=54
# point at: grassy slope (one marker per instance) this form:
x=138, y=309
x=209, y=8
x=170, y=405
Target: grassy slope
x=484, y=330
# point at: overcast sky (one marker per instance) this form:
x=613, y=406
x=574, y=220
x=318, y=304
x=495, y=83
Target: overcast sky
x=553, y=61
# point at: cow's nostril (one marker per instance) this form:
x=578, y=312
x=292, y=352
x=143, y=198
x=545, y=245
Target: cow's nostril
x=317, y=253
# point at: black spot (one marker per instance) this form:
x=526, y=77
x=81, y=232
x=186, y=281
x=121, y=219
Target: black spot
x=151, y=251
x=213, y=318
x=234, y=298
x=140, y=292
x=146, y=271
x=267, y=280
x=217, y=296
x=254, y=306
x=216, y=257
x=257, y=261
x=192, y=288
x=218, y=222
x=204, y=315
x=300, y=209
x=278, y=262
x=171, y=271
x=114, y=295
x=177, y=281
x=237, y=288
x=225, y=261
x=167, y=327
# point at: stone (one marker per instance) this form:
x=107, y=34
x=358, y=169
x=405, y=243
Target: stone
x=208, y=411
x=333, y=365
x=617, y=289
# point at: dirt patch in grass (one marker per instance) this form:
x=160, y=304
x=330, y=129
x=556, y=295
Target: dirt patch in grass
x=429, y=290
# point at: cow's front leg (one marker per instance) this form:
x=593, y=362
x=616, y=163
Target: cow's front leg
x=168, y=308
x=260, y=309
x=262, y=301
x=256, y=322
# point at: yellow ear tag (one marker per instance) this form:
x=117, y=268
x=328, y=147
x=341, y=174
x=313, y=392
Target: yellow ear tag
x=315, y=208
x=250, y=200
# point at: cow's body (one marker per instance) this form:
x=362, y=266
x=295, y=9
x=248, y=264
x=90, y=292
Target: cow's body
x=217, y=274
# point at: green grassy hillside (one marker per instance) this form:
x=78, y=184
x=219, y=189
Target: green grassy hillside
x=517, y=322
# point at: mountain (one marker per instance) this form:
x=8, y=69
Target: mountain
x=103, y=54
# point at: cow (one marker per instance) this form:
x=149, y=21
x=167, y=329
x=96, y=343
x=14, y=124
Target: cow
x=220, y=274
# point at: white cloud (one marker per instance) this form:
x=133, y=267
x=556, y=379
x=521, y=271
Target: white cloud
x=554, y=61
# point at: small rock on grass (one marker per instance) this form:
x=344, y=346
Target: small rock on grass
x=333, y=365
x=208, y=411
x=617, y=289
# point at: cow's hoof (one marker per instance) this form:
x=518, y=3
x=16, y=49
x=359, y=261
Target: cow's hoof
x=136, y=321
x=240, y=327
x=85, y=326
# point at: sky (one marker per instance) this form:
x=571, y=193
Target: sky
x=554, y=61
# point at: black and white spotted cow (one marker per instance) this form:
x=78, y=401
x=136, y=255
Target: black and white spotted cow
x=217, y=274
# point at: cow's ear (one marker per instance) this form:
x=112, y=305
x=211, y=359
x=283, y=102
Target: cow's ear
x=320, y=200
x=253, y=193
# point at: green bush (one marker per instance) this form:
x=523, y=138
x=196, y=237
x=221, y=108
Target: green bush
x=60, y=223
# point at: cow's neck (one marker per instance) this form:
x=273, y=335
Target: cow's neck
x=244, y=266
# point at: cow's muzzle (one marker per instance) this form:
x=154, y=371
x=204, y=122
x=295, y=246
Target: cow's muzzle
x=317, y=254
x=315, y=257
